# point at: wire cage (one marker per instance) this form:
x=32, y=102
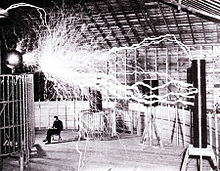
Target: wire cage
x=16, y=115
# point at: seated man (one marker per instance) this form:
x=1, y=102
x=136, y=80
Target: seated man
x=56, y=129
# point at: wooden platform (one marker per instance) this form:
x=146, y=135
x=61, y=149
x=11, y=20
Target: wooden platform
x=123, y=154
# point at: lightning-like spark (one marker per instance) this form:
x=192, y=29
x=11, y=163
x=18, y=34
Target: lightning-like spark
x=82, y=154
x=70, y=58
x=41, y=11
x=155, y=40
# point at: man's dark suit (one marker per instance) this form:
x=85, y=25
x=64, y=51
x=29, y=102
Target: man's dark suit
x=56, y=129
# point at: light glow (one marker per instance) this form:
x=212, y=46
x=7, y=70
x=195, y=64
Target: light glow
x=67, y=59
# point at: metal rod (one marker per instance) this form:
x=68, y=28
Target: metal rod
x=24, y=113
x=4, y=98
x=199, y=107
x=16, y=110
x=13, y=113
x=8, y=117
x=20, y=114
x=27, y=120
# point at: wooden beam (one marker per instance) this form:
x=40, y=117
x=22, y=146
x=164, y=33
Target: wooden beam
x=118, y=23
x=143, y=26
x=134, y=31
x=174, y=15
x=98, y=27
x=217, y=30
x=212, y=5
x=192, y=10
x=164, y=19
x=203, y=29
x=191, y=29
x=147, y=17
x=106, y=23
x=90, y=31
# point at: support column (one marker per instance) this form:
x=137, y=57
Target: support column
x=113, y=118
x=199, y=110
x=199, y=148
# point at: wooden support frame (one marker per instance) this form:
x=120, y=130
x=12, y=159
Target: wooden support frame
x=151, y=130
x=177, y=127
x=202, y=152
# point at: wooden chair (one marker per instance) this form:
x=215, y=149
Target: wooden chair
x=57, y=137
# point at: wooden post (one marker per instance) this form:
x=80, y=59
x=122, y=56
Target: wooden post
x=150, y=126
x=216, y=138
x=199, y=112
x=177, y=128
x=139, y=121
x=66, y=112
x=156, y=53
x=1, y=163
x=210, y=129
x=135, y=65
x=22, y=157
x=184, y=126
x=169, y=122
x=114, y=133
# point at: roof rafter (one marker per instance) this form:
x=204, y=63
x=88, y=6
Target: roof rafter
x=98, y=27
x=147, y=17
x=134, y=2
x=118, y=23
x=107, y=24
x=178, y=29
x=218, y=36
x=191, y=29
x=134, y=31
x=203, y=29
x=192, y=10
x=89, y=30
x=164, y=19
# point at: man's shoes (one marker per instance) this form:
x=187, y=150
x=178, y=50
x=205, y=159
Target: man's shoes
x=48, y=143
x=45, y=140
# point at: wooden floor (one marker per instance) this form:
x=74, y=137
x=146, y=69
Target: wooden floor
x=123, y=154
